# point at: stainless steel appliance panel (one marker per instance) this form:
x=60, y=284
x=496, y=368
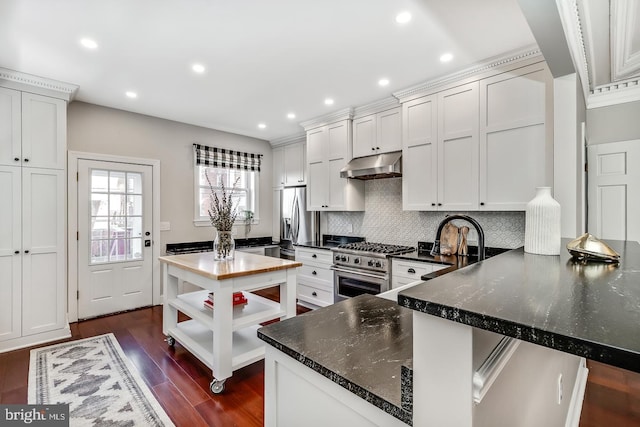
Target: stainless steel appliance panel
x=349, y=283
x=296, y=222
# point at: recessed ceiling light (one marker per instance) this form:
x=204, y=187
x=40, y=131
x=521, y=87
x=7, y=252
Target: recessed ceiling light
x=328, y=101
x=291, y=116
x=198, y=68
x=446, y=57
x=262, y=126
x=383, y=82
x=131, y=94
x=88, y=43
x=403, y=17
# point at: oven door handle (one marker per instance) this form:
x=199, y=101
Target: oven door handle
x=362, y=273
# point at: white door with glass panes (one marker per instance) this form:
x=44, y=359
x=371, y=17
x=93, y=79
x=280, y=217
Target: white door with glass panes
x=114, y=237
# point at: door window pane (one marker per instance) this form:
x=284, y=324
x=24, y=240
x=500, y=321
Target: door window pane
x=116, y=216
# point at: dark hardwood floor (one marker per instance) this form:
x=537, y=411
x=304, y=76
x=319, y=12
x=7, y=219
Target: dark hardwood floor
x=181, y=382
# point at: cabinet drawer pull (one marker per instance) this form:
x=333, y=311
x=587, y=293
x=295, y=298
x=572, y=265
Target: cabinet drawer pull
x=411, y=270
x=314, y=293
x=314, y=272
x=314, y=256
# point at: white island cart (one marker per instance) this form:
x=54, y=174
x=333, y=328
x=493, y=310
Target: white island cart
x=225, y=338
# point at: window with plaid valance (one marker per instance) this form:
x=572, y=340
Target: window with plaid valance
x=228, y=159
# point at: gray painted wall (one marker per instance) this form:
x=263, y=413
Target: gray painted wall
x=96, y=129
x=614, y=123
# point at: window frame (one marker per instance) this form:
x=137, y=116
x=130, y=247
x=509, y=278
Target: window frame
x=204, y=221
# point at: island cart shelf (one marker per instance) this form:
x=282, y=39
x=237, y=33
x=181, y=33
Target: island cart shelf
x=224, y=338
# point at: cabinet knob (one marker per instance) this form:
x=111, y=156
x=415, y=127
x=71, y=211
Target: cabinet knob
x=16, y=252
x=377, y=148
x=314, y=293
x=411, y=270
x=481, y=203
x=26, y=252
x=17, y=159
x=314, y=272
x=439, y=204
x=373, y=149
x=433, y=204
x=314, y=256
x=26, y=160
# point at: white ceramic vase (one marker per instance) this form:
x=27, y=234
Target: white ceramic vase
x=542, y=224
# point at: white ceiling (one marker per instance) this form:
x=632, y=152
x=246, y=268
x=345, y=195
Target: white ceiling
x=264, y=58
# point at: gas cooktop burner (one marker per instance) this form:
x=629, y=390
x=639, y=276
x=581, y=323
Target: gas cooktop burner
x=380, y=248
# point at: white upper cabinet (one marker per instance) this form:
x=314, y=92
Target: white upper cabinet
x=289, y=165
x=516, y=123
x=10, y=127
x=377, y=133
x=44, y=131
x=458, y=148
x=419, y=154
x=328, y=151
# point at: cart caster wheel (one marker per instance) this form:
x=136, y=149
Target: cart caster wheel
x=171, y=341
x=217, y=386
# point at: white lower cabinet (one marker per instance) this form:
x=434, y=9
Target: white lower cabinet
x=315, y=277
x=405, y=271
x=32, y=256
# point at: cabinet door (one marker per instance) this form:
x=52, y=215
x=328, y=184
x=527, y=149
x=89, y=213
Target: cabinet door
x=43, y=236
x=44, y=131
x=317, y=144
x=389, y=131
x=10, y=127
x=514, y=125
x=339, y=140
x=317, y=188
x=10, y=262
x=278, y=166
x=458, y=148
x=294, y=164
x=364, y=136
x=419, y=154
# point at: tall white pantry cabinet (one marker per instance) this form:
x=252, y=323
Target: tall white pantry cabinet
x=32, y=218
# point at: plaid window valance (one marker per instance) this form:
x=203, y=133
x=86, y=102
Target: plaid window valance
x=229, y=159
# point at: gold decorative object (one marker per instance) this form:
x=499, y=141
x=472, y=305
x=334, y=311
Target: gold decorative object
x=589, y=248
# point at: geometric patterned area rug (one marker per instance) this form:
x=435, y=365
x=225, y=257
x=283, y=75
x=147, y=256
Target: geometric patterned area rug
x=94, y=376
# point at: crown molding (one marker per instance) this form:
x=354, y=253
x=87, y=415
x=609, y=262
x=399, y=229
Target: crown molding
x=375, y=107
x=41, y=85
x=345, y=114
x=479, y=70
x=291, y=139
x=624, y=61
x=615, y=93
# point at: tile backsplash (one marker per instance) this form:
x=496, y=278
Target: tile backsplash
x=384, y=220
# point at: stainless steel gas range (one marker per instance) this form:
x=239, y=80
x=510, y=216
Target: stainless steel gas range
x=363, y=268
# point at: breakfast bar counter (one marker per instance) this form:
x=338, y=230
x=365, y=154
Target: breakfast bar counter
x=224, y=338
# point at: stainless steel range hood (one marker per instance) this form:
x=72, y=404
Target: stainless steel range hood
x=387, y=165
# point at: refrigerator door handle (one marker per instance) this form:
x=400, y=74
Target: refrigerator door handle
x=295, y=219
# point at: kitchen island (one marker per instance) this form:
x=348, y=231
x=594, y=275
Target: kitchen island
x=550, y=311
x=224, y=338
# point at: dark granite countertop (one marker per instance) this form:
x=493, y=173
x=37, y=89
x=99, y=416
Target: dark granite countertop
x=330, y=241
x=590, y=310
x=360, y=344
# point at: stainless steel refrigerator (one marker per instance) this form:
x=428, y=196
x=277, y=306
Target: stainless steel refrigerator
x=297, y=224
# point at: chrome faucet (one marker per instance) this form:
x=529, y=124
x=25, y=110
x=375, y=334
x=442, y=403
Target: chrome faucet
x=435, y=250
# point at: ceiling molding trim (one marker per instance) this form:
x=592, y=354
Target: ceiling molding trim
x=291, y=139
x=24, y=80
x=375, y=107
x=615, y=93
x=573, y=29
x=624, y=62
x=345, y=114
x=494, y=63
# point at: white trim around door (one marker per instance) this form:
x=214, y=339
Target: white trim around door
x=72, y=204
